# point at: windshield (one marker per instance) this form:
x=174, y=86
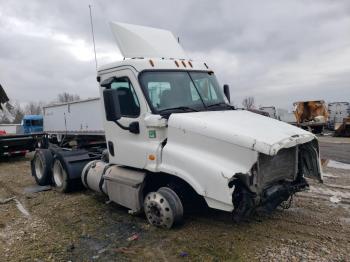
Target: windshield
x=175, y=89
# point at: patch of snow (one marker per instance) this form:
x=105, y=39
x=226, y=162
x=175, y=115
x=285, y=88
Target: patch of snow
x=336, y=164
x=335, y=199
x=329, y=175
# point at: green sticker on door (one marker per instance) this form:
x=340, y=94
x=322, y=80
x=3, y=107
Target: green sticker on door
x=152, y=133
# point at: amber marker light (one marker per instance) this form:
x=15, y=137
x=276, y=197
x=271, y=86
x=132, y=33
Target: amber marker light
x=152, y=157
x=151, y=62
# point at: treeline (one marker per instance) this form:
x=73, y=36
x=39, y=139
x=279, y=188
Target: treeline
x=16, y=112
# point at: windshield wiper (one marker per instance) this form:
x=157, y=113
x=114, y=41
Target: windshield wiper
x=182, y=108
x=221, y=104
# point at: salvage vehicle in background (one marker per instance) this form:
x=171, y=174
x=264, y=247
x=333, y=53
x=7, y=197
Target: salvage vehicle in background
x=271, y=110
x=18, y=139
x=172, y=140
x=338, y=111
x=311, y=115
x=344, y=128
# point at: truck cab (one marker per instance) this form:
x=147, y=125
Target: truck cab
x=32, y=124
x=173, y=138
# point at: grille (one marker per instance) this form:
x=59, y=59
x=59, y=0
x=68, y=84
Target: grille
x=279, y=167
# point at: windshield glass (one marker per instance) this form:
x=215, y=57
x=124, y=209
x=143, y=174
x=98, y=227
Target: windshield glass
x=38, y=122
x=173, y=89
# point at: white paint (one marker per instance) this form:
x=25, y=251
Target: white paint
x=142, y=41
x=336, y=164
x=242, y=128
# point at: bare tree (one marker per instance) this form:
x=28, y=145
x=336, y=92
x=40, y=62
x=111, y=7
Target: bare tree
x=4, y=119
x=18, y=113
x=34, y=108
x=66, y=97
x=248, y=102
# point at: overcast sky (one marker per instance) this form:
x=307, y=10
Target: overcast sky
x=277, y=51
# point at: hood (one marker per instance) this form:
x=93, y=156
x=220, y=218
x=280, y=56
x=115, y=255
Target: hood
x=242, y=128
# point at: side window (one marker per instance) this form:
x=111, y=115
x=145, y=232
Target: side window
x=129, y=104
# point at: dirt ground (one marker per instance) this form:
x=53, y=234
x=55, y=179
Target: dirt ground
x=83, y=226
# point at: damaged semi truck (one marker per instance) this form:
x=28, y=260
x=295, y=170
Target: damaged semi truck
x=173, y=139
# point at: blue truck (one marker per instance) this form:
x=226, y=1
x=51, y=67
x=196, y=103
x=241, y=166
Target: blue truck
x=21, y=138
x=17, y=139
x=32, y=124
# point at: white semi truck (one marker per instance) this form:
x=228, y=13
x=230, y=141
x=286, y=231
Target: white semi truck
x=173, y=140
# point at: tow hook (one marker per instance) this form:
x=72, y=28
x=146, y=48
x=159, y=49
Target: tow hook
x=288, y=203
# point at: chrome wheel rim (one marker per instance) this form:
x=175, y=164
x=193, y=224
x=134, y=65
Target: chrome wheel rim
x=158, y=211
x=58, y=173
x=39, y=167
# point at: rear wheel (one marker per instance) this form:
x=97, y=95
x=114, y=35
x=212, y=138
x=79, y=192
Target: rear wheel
x=41, y=166
x=60, y=177
x=163, y=208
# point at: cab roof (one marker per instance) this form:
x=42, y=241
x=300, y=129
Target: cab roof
x=140, y=64
x=33, y=117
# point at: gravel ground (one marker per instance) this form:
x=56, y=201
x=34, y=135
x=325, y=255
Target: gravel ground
x=83, y=226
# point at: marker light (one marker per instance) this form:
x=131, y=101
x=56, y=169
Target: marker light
x=152, y=157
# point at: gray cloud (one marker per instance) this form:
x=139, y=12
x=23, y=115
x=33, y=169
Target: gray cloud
x=277, y=51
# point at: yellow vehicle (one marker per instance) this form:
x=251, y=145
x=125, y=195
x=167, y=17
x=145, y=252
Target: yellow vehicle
x=311, y=115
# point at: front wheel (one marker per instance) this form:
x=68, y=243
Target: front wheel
x=163, y=208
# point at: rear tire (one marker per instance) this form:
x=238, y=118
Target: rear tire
x=41, y=166
x=60, y=177
x=163, y=208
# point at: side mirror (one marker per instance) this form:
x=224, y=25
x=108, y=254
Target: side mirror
x=112, y=106
x=227, y=92
x=134, y=128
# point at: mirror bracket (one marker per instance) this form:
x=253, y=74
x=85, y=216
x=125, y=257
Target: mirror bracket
x=133, y=127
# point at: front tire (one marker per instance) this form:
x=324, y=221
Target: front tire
x=163, y=208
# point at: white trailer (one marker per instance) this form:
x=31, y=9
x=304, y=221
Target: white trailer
x=174, y=141
x=74, y=118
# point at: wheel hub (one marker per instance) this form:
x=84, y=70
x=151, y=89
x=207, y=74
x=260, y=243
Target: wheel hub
x=158, y=211
x=58, y=173
x=39, y=167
